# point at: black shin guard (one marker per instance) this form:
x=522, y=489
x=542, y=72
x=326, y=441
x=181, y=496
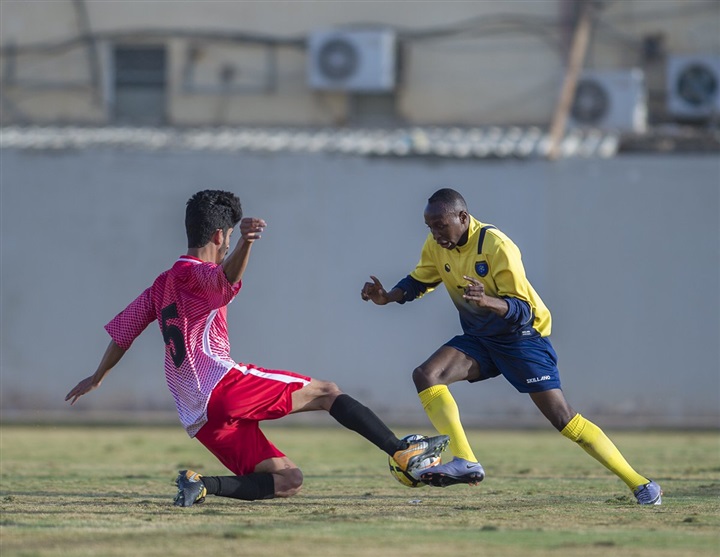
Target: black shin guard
x=249, y=488
x=353, y=415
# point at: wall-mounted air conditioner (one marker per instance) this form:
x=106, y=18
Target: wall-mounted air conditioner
x=613, y=100
x=357, y=60
x=693, y=86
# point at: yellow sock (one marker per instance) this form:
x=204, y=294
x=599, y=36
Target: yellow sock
x=592, y=439
x=443, y=412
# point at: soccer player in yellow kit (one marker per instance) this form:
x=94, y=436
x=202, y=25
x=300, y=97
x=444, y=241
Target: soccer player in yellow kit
x=505, y=331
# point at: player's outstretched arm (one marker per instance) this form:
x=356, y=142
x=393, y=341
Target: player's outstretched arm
x=376, y=292
x=234, y=264
x=112, y=356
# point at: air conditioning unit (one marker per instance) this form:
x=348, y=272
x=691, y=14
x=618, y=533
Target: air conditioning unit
x=693, y=86
x=613, y=100
x=359, y=60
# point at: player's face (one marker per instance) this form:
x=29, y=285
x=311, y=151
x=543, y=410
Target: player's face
x=448, y=228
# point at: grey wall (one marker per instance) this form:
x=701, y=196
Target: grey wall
x=625, y=252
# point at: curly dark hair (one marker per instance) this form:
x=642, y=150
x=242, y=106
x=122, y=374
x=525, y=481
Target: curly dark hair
x=208, y=211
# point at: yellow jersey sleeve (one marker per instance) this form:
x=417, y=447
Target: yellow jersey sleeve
x=426, y=271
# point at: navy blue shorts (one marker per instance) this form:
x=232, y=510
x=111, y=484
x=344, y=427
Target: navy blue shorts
x=529, y=364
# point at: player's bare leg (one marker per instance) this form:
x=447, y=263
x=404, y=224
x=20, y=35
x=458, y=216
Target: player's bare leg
x=287, y=477
x=593, y=441
x=554, y=407
x=274, y=477
x=446, y=366
x=316, y=395
x=324, y=395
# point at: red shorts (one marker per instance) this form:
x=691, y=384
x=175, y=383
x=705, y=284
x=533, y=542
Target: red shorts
x=244, y=397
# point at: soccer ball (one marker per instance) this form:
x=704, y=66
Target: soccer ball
x=411, y=479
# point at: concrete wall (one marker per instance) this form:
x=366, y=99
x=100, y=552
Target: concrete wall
x=504, y=68
x=625, y=252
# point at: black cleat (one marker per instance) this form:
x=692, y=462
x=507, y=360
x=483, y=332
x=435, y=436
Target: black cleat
x=417, y=451
x=191, y=490
x=457, y=471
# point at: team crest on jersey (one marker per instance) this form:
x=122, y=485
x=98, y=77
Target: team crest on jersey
x=447, y=268
x=481, y=268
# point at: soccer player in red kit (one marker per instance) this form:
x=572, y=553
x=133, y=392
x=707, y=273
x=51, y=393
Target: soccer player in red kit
x=221, y=402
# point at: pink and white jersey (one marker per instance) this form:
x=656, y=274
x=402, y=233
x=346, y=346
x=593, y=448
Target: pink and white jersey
x=189, y=302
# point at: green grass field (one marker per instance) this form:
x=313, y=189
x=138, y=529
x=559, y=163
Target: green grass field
x=107, y=491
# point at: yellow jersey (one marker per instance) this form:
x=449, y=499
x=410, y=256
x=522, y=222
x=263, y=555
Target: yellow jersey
x=492, y=258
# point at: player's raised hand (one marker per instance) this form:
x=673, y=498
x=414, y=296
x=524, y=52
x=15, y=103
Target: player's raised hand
x=251, y=228
x=374, y=291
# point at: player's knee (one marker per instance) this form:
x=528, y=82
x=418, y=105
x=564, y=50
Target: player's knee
x=559, y=415
x=330, y=389
x=561, y=418
x=288, y=483
x=325, y=389
x=423, y=377
x=295, y=479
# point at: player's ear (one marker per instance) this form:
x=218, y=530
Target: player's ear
x=218, y=237
x=464, y=217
